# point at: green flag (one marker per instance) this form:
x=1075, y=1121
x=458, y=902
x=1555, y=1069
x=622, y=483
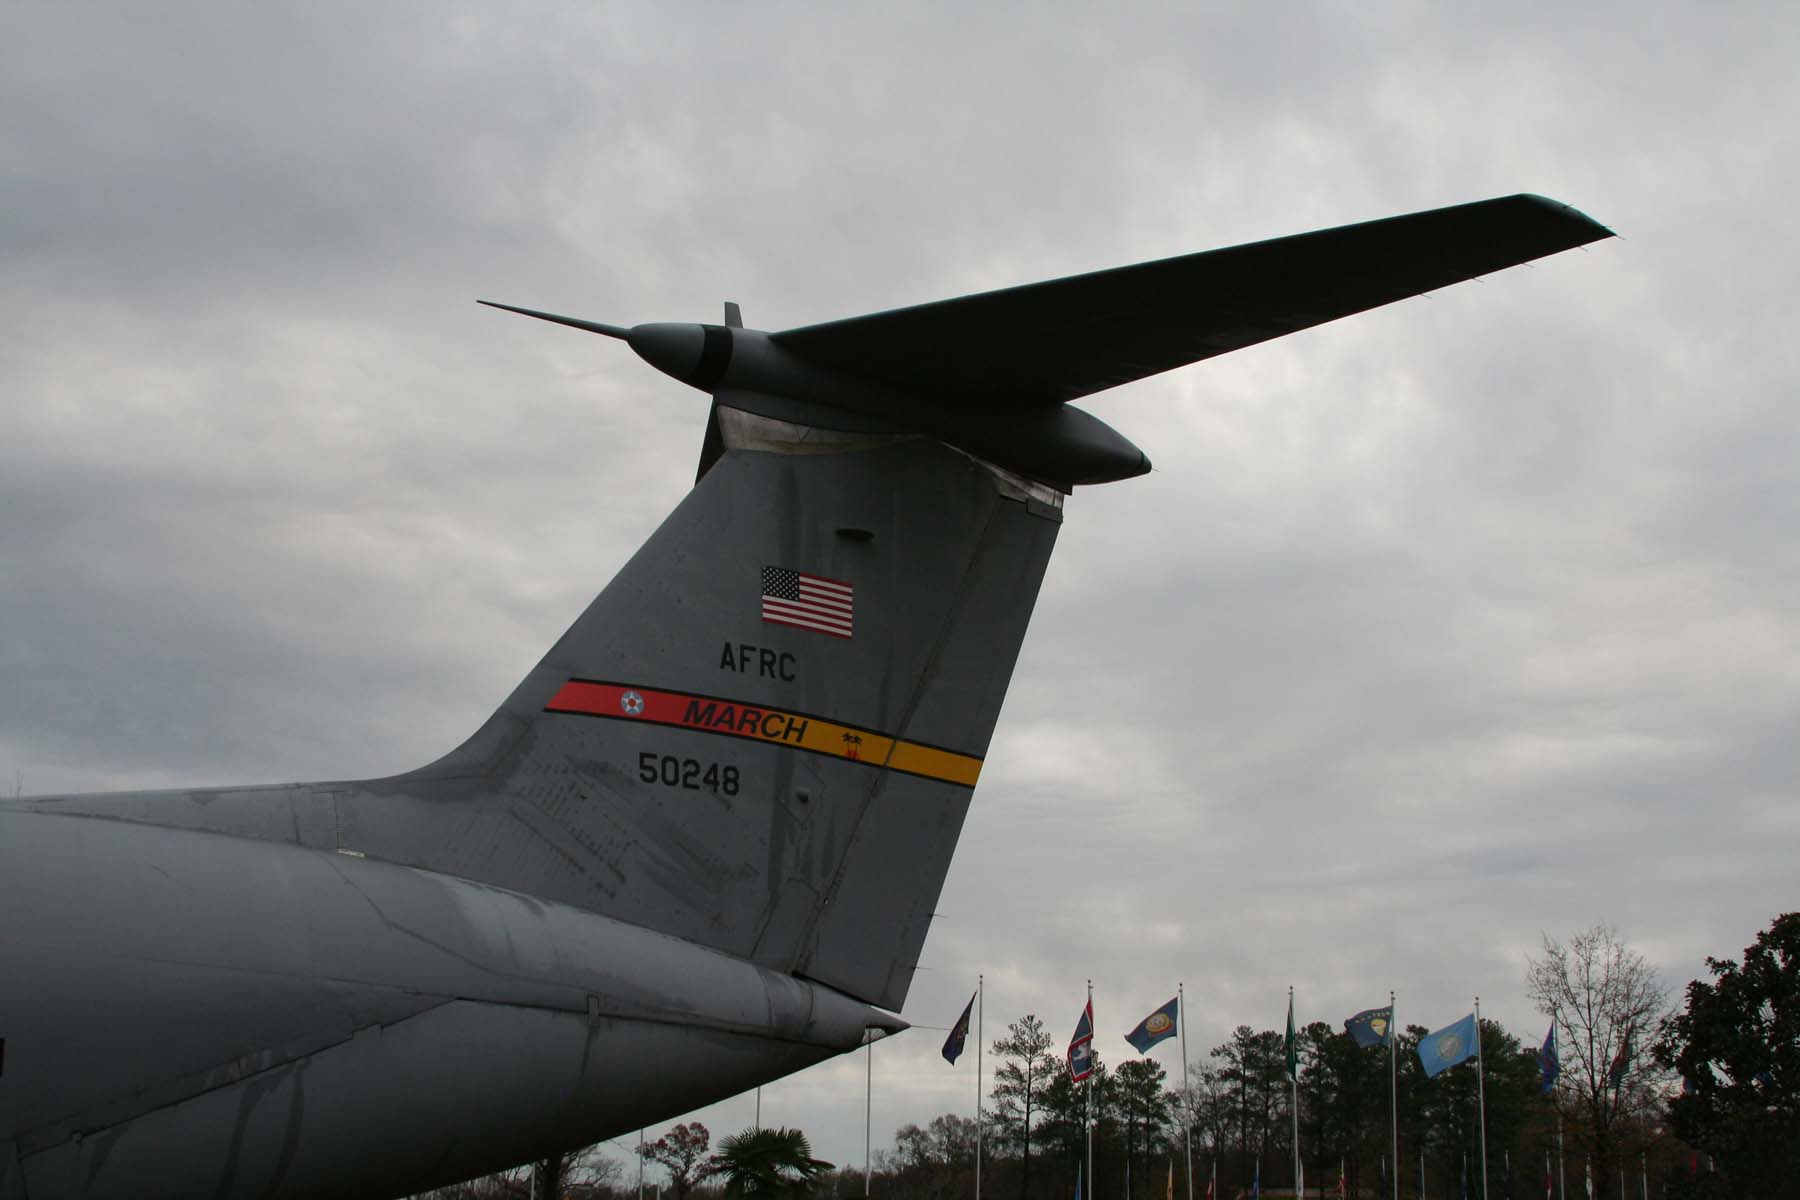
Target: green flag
x=1293, y=1057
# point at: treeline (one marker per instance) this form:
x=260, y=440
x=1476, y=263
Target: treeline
x=1238, y=1113
x=1722, y=1071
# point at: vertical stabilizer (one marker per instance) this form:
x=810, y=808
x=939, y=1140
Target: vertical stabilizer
x=764, y=734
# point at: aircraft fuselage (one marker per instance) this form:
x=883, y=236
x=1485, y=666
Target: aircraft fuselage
x=294, y=1015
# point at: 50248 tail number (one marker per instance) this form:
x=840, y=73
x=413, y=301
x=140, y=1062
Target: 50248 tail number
x=687, y=773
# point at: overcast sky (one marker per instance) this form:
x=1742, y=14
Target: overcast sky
x=1435, y=629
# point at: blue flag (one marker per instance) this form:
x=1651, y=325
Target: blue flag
x=1450, y=1045
x=1077, y=1181
x=1371, y=1026
x=1155, y=1027
x=959, y=1033
x=1549, y=1065
x=1081, y=1046
x=1256, y=1184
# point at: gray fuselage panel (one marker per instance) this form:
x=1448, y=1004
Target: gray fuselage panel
x=144, y=970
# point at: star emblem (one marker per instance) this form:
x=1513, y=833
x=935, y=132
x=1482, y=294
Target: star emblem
x=632, y=704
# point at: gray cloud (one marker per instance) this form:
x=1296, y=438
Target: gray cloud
x=1435, y=629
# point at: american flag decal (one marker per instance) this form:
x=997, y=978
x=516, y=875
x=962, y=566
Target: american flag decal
x=807, y=601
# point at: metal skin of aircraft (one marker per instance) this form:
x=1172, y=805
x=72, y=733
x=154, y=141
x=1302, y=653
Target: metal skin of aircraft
x=698, y=848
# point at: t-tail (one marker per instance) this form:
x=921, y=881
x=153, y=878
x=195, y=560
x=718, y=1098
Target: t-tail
x=764, y=734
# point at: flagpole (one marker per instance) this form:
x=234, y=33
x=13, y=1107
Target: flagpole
x=980, y=1004
x=1088, y=1120
x=868, y=1106
x=1562, y=1185
x=1393, y=1089
x=1294, y=1080
x=1481, y=1098
x=1187, y=1097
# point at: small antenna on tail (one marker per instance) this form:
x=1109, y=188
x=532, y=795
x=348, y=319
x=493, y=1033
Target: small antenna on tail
x=612, y=331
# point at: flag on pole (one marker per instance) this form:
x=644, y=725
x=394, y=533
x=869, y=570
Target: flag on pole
x=1169, y=1194
x=1155, y=1027
x=1256, y=1182
x=1452, y=1044
x=1081, y=1046
x=959, y=1033
x=1293, y=1055
x=1371, y=1026
x=1340, y=1186
x=1549, y=1064
x=1621, y=1063
x=1077, y=1181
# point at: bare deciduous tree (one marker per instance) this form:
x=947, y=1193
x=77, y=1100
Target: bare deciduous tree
x=1208, y=1111
x=585, y=1174
x=1606, y=1002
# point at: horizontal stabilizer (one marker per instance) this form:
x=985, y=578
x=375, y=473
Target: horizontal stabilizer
x=1055, y=341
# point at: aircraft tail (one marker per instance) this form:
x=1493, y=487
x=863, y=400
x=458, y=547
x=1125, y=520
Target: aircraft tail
x=763, y=735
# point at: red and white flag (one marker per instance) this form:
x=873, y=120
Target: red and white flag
x=807, y=601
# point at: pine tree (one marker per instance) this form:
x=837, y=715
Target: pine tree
x=1019, y=1083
